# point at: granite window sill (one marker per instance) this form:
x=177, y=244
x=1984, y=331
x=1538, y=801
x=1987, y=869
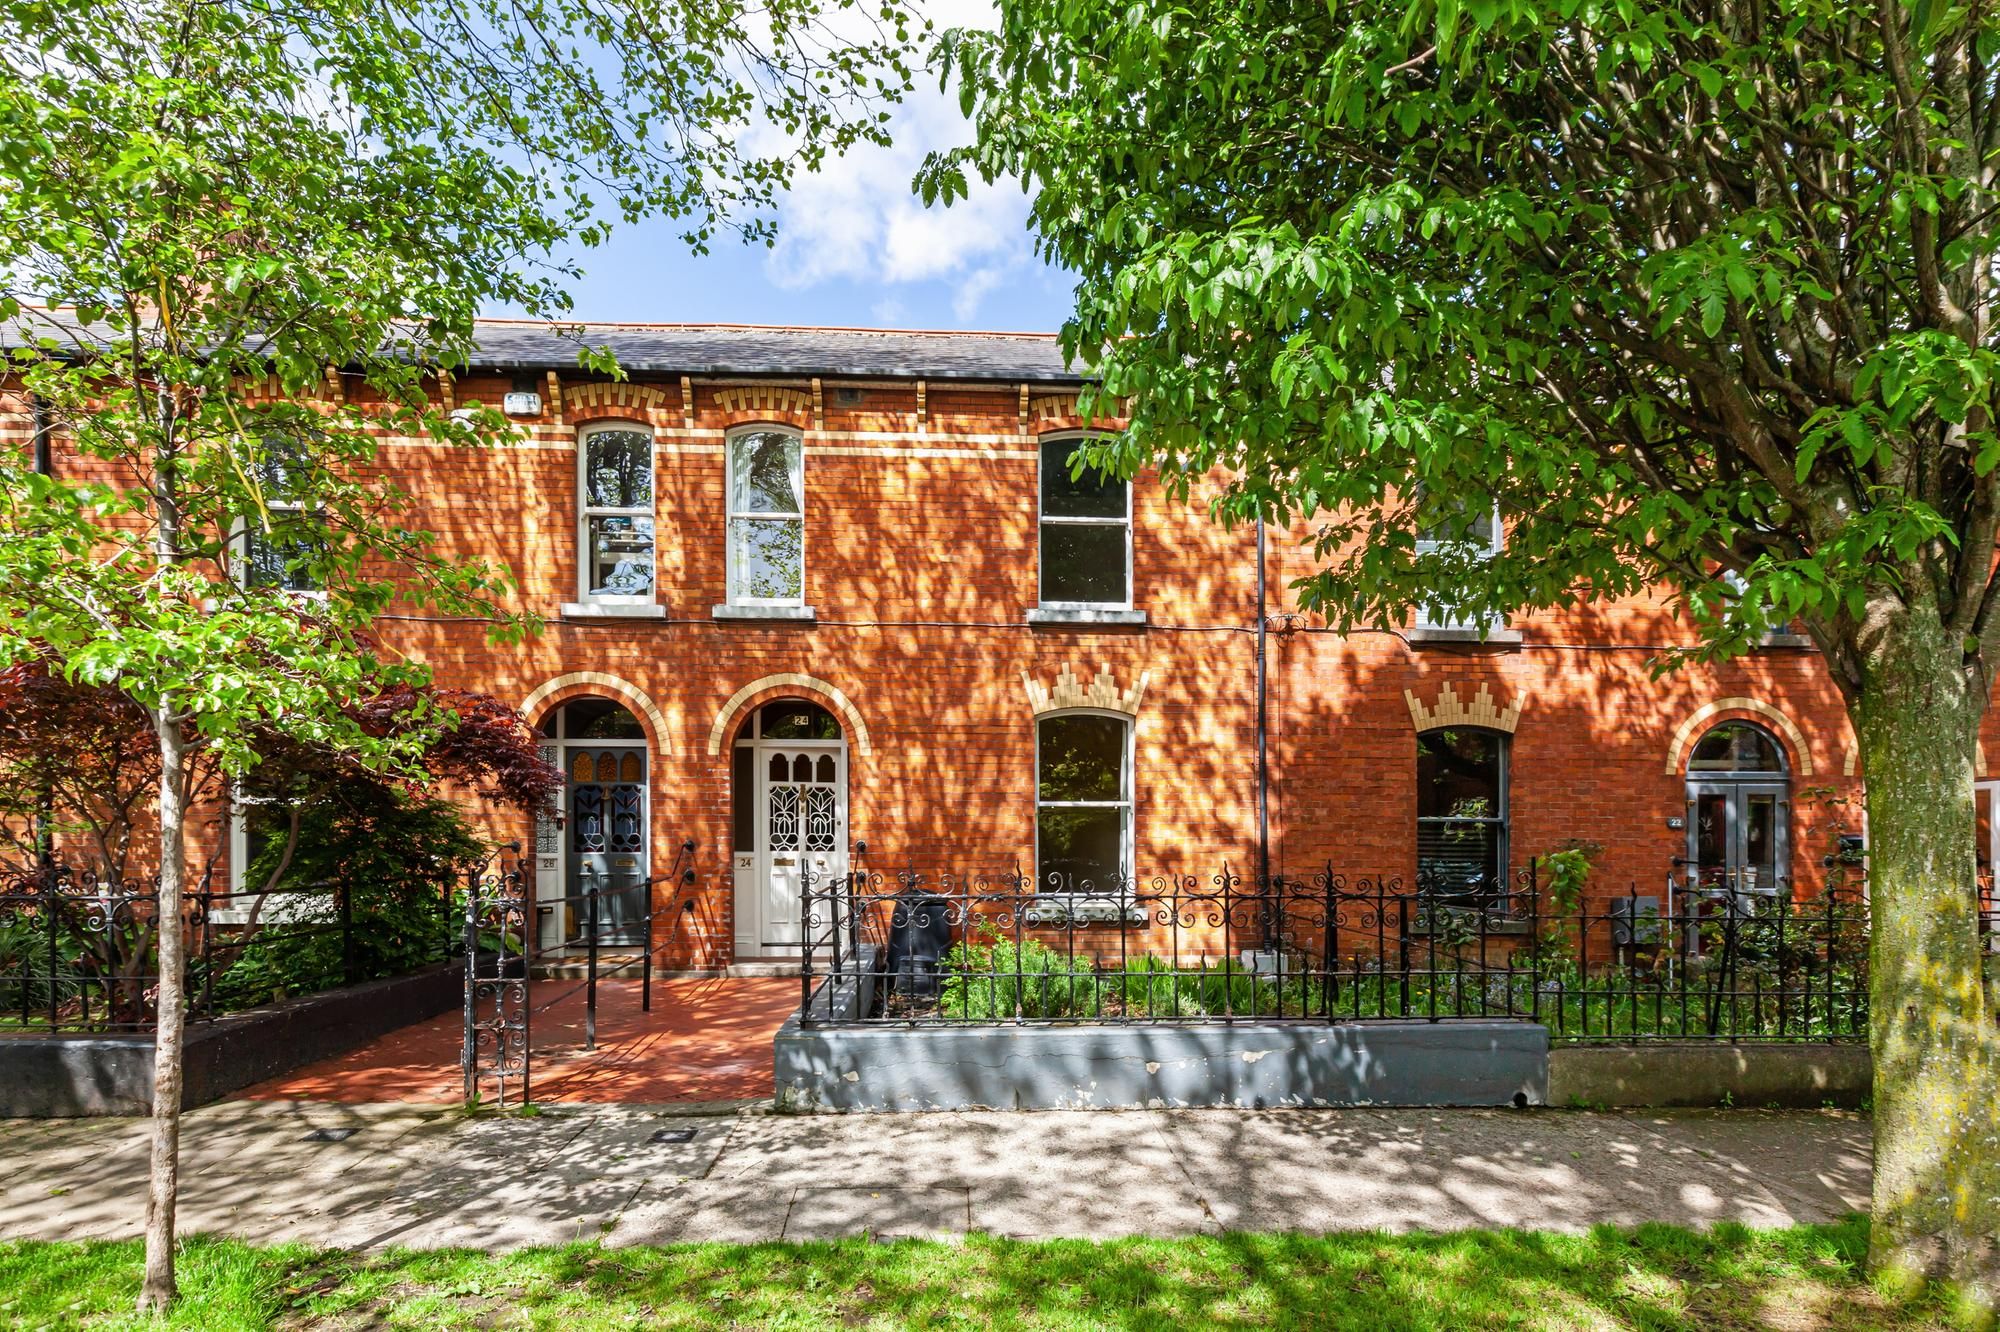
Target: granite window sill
x=613, y=610
x=1454, y=636
x=1086, y=615
x=789, y=614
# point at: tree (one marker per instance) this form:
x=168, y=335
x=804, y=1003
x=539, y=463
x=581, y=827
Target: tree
x=1701, y=295
x=240, y=234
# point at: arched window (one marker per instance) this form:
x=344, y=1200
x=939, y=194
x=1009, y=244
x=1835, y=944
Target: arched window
x=1462, y=814
x=615, y=513
x=1083, y=802
x=1738, y=747
x=767, y=519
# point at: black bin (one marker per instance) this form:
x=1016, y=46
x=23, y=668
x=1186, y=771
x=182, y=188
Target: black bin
x=919, y=935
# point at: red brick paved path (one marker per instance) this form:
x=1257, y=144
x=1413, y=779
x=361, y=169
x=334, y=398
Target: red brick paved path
x=705, y=1040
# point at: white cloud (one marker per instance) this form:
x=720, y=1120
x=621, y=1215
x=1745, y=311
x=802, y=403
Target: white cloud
x=857, y=219
x=965, y=301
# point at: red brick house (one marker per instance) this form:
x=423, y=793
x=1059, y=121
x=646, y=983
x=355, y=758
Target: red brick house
x=818, y=598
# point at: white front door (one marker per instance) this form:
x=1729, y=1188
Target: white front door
x=801, y=828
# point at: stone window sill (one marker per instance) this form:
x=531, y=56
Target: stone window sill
x=1447, y=635
x=793, y=614
x=1083, y=909
x=1785, y=641
x=1082, y=615
x=613, y=610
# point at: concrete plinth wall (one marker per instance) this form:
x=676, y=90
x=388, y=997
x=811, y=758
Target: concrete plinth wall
x=1668, y=1073
x=63, y=1076
x=1085, y=1067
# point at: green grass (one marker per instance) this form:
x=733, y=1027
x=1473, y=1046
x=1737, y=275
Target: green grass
x=1655, y=1277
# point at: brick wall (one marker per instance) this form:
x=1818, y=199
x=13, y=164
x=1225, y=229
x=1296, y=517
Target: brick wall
x=920, y=566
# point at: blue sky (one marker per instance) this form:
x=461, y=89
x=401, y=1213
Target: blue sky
x=646, y=273
x=855, y=247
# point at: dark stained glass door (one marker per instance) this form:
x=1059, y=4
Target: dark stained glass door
x=607, y=842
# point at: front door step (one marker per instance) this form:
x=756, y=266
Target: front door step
x=621, y=965
x=764, y=966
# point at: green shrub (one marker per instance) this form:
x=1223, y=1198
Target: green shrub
x=400, y=857
x=989, y=978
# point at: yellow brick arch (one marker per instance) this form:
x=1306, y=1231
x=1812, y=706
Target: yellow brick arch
x=1697, y=723
x=850, y=716
x=627, y=692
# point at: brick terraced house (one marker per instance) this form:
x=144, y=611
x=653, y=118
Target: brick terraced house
x=820, y=599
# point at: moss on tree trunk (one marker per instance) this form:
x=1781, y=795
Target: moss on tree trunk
x=1936, y=1205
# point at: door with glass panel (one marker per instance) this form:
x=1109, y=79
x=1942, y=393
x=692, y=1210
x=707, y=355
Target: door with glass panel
x=1737, y=836
x=790, y=798
x=1739, y=812
x=607, y=820
x=605, y=843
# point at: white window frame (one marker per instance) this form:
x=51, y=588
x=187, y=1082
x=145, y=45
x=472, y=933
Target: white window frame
x=733, y=517
x=247, y=529
x=241, y=899
x=1128, y=786
x=585, y=511
x=1495, y=543
x=1043, y=520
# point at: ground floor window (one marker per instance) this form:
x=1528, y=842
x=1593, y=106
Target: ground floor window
x=1083, y=802
x=1462, y=814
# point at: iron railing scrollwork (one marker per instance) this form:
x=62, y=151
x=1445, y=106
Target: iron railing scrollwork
x=498, y=940
x=79, y=953
x=919, y=948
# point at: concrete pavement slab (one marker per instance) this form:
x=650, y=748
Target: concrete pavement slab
x=849, y=1211
x=722, y=1211
x=419, y=1177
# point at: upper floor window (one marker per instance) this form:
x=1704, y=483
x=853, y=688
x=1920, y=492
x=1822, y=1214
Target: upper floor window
x=615, y=518
x=281, y=544
x=1462, y=815
x=1083, y=802
x=767, y=520
x=1086, y=526
x=1474, y=535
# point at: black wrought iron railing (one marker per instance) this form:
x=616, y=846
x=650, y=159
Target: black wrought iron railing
x=939, y=949
x=81, y=953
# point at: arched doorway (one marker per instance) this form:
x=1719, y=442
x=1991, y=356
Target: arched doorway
x=606, y=836
x=788, y=795
x=1739, y=795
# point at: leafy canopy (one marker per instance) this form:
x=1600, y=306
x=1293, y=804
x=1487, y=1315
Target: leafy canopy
x=1697, y=293
x=241, y=234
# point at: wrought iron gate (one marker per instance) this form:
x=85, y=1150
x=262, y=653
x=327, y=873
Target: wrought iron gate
x=499, y=920
x=502, y=947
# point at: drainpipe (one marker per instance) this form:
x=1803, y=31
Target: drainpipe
x=1263, y=756
x=45, y=801
x=44, y=429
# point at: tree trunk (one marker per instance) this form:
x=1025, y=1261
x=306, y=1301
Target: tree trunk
x=1936, y=1205
x=163, y=1178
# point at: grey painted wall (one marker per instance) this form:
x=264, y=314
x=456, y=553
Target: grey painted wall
x=1083, y=1067
x=64, y=1076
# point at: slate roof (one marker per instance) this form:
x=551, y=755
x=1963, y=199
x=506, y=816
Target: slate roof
x=722, y=349
x=735, y=349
